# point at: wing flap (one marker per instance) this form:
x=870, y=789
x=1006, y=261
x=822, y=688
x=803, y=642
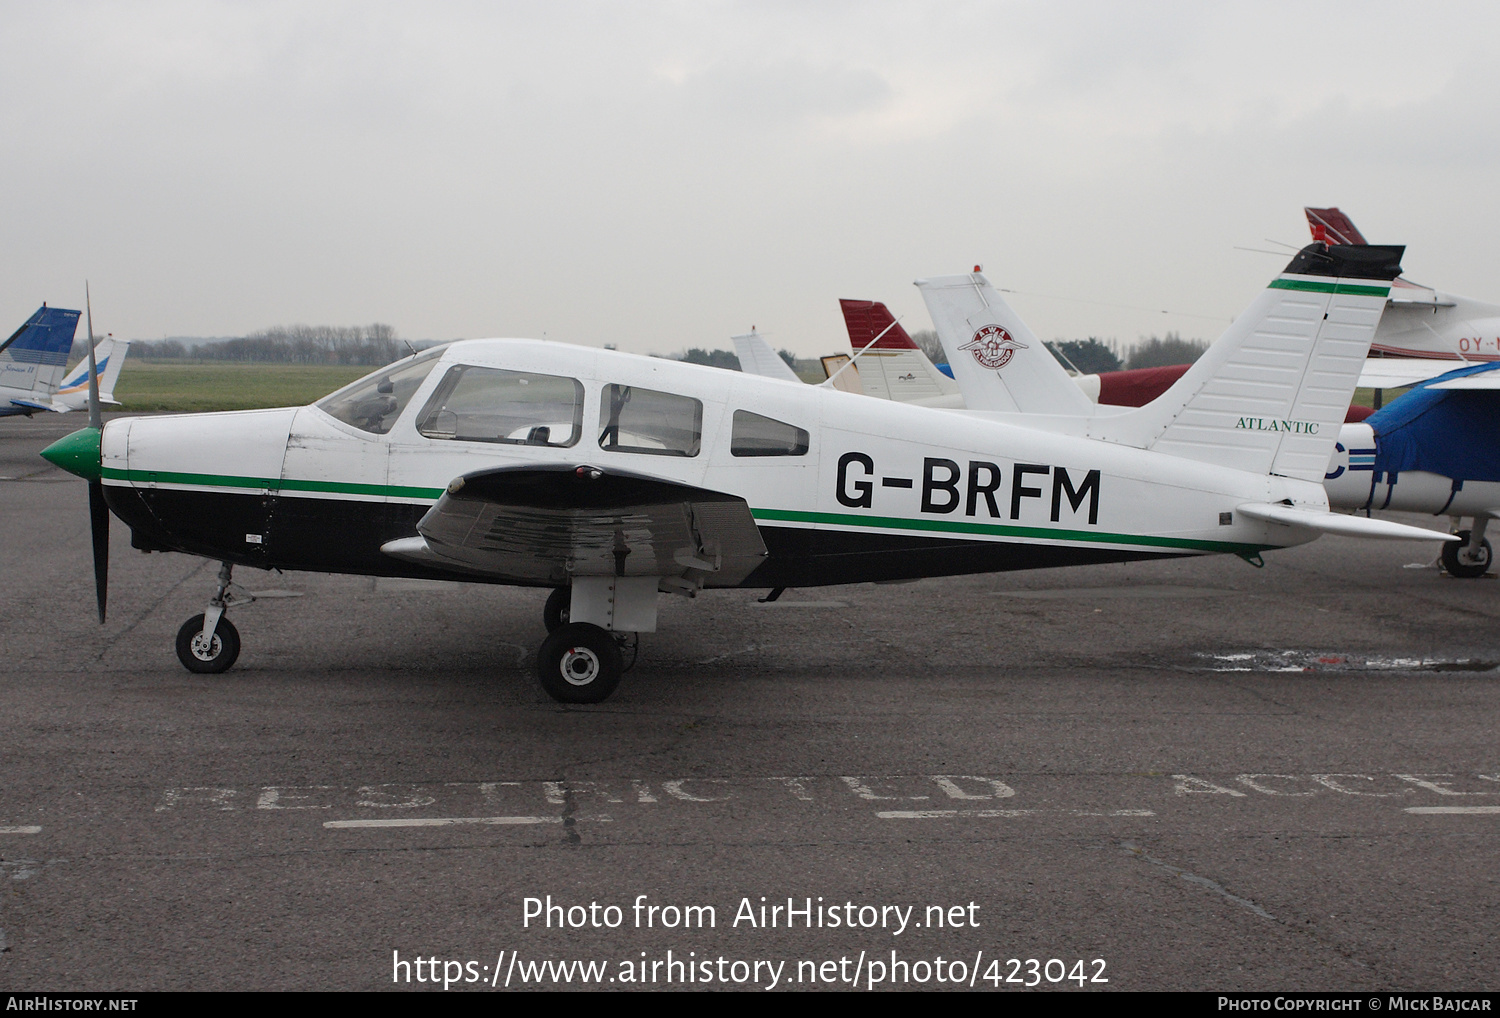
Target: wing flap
x=548, y=524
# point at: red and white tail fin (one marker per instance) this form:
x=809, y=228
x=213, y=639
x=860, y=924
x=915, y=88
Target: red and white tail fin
x=1330, y=226
x=894, y=367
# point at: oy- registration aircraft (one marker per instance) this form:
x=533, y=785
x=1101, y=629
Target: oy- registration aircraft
x=1425, y=332
x=616, y=478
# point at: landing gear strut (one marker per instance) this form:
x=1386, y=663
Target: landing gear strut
x=208, y=643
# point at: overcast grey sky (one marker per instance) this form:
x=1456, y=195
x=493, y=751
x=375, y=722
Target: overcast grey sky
x=663, y=175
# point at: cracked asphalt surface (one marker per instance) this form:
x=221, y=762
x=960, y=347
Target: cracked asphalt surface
x=1206, y=775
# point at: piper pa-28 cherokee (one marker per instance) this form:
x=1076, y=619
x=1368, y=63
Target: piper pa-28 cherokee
x=614, y=478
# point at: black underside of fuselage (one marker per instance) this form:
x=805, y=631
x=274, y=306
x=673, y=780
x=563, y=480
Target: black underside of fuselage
x=344, y=536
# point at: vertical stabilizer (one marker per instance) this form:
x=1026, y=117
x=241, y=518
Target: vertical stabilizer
x=997, y=361
x=1270, y=395
x=1332, y=227
x=757, y=358
x=34, y=358
x=895, y=366
x=109, y=355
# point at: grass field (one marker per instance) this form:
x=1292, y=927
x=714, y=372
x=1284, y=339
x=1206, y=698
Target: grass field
x=188, y=387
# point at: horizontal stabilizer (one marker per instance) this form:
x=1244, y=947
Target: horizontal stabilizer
x=31, y=404
x=1339, y=524
x=1399, y=372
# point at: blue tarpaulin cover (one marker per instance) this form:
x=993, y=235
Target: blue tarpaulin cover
x=1452, y=432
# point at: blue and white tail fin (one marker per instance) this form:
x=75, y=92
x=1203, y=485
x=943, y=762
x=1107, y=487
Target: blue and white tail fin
x=1269, y=396
x=33, y=359
x=109, y=357
x=757, y=358
x=997, y=361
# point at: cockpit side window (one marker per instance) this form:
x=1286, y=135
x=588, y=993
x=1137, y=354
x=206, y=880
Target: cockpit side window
x=374, y=402
x=473, y=404
x=754, y=435
x=639, y=420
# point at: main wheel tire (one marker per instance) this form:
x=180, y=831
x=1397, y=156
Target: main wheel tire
x=1461, y=567
x=579, y=663
x=209, y=657
x=555, y=614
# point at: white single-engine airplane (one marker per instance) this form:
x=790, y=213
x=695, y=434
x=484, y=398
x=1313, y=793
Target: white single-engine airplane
x=614, y=478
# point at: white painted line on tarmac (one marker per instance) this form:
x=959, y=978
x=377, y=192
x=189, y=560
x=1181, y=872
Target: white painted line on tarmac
x=20, y=830
x=1453, y=809
x=444, y=821
x=937, y=814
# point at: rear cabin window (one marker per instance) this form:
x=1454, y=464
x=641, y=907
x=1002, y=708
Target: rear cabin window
x=474, y=404
x=754, y=435
x=374, y=402
x=632, y=419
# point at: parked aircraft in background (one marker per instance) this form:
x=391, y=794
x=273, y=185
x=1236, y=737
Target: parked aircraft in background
x=757, y=358
x=1431, y=450
x=33, y=360
x=73, y=393
x=1424, y=330
x=889, y=362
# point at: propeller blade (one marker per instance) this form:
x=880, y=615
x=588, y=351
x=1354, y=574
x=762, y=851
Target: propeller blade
x=99, y=525
x=95, y=420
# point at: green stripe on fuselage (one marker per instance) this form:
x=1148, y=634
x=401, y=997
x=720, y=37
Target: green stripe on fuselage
x=1313, y=286
x=270, y=484
x=1003, y=530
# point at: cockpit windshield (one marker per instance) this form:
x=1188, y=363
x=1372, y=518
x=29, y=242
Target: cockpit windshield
x=375, y=401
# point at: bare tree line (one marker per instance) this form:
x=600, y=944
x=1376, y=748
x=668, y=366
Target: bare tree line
x=290, y=344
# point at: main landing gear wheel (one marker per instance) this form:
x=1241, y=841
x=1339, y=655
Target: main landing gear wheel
x=1461, y=565
x=555, y=614
x=211, y=656
x=579, y=663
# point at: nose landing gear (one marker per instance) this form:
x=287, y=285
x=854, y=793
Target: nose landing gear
x=208, y=643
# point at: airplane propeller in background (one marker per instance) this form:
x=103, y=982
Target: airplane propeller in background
x=98, y=511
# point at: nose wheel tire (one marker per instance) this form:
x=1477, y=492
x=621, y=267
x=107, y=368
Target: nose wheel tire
x=579, y=663
x=211, y=656
x=1462, y=566
x=555, y=614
